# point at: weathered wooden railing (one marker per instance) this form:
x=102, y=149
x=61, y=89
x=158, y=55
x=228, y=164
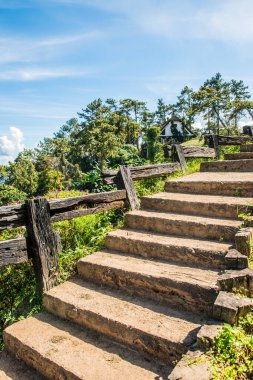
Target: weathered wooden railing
x=42, y=244
x=214, y=141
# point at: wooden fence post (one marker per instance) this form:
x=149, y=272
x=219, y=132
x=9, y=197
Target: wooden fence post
x=181, y=158
x=215, y=143
x=43, y=244
x=124, y=181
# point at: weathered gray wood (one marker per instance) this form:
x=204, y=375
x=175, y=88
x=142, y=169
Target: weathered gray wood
x=181, y=158
x=198, y=152
x=43, y=243
x=14, y=215
x=227, y=140
x=167, y=150
x=124, y=181
x=13, y=251
x=143, y=172
x=57, y=217
x=105, y=197
x=215, y=142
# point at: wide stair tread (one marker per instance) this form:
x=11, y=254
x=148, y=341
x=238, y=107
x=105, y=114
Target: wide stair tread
x=60, y=350
x=159, y=331
x=168, y=247
x=198, y=204
x=239, y=156
x=180, y=285
x=14, y=369
x=183, y=224
x=220, y=183
x=241, y=165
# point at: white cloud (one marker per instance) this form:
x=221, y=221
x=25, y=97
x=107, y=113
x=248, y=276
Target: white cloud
x=11, y=144
x=227, y=20
x=31, y=74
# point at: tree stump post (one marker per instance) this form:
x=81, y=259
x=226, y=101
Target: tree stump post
x=181, y=157
x=124, y=181
x=215, y=143
x=43, y=244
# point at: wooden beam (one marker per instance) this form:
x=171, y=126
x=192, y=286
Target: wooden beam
x=12, y=216
x=198, y=152
x=181, y=158
x=215, y=143
x=57, y=217
x=68, y=203
x=43, y=243
x=124, y=181
x=228, y=140
x=15, y=216
x=13, y=251
x=143, y=172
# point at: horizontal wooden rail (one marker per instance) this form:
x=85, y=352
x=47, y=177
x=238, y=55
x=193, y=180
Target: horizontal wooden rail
x=190, y=151
x=198, y=152
x=65, y=209
x=142, y=172
x=227, y=140
x=13, y=251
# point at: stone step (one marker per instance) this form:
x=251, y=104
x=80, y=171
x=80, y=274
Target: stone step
x=239, y=156
x=14, y=369
x=183, y=225
x=246, y=148
x=221, y=183
x=184, y=287
x=196, y=204
x=59, y=350
x=227, y=166
x=161, y=332
x=169, y=248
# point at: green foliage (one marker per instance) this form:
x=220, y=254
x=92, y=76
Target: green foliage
x=155, y=148
x=232, y=352
x=64, y=194
x=9, y=194
x=84, y=235
x=92, y=181
x=23, y=175
x=17, y=294
x=127, y=155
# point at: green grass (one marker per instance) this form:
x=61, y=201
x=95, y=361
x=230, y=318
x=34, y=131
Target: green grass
x=231, y=356
x=197, y=141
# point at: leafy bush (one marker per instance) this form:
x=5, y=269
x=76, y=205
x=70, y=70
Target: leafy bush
x=92, y=181
x=232, y=353
x=127, y=155
x=9, y=195
x=17, y=293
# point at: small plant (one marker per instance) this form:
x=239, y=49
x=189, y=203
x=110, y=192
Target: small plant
x=247, y=219
x=232, y=353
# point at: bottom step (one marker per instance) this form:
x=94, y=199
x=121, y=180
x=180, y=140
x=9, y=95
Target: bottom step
x=60, y=351
x=14, y=369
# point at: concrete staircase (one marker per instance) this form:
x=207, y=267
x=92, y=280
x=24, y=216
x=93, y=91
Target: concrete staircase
x=137, y=305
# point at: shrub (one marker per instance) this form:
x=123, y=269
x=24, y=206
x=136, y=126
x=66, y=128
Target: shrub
x=9, y=195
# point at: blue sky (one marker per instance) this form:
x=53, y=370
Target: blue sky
x=58, y=55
